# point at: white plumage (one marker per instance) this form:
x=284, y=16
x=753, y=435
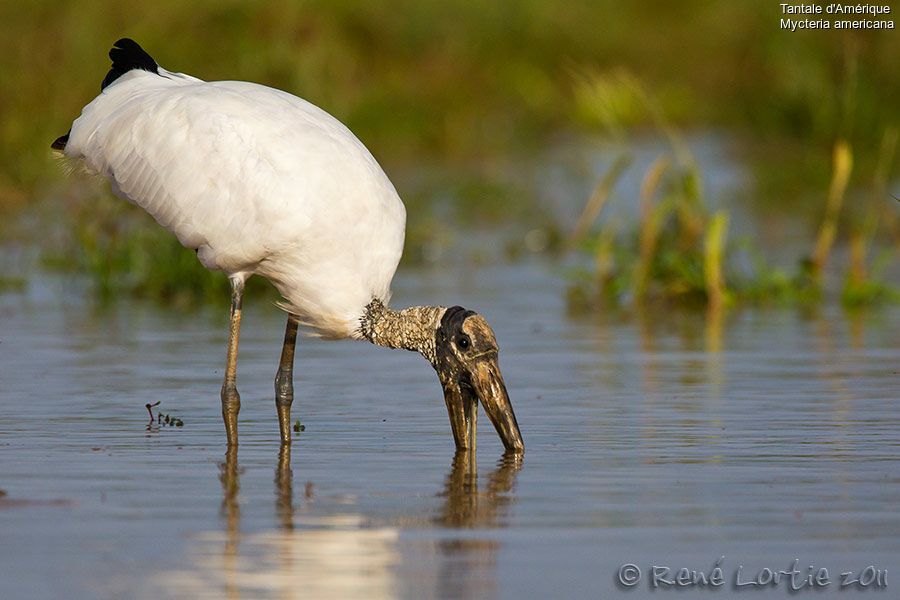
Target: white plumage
x=258, y=181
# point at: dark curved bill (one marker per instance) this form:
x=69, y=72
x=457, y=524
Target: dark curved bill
x=486, y=385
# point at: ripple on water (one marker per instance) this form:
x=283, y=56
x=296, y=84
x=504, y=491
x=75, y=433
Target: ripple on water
x=647, y=442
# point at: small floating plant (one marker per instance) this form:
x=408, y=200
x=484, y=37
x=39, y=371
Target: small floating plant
x=163, y=419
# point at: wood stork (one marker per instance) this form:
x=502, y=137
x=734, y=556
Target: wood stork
x=261, y=182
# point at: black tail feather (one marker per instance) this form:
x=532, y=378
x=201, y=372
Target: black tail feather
x=60, y=142
x=126, y=55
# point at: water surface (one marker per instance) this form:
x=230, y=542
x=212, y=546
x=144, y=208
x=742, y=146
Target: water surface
x=670, y=439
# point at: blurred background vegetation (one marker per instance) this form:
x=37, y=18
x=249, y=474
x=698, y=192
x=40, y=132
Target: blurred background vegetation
x=463, y=102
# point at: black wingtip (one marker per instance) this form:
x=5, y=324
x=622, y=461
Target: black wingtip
x=60, y=142
x=126, y=55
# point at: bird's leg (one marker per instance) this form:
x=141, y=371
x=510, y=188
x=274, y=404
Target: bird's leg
x=231, y=400
x=284, y=379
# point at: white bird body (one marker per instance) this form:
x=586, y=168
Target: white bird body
x=258, y=181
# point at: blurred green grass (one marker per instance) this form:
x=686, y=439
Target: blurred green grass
x=459, y=81
x=472, y=86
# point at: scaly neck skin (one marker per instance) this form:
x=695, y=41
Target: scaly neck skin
x=412, y=328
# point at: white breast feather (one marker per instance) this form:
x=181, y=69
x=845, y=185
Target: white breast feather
x=258, y=181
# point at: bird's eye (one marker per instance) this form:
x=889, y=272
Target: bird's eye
x=463, y=342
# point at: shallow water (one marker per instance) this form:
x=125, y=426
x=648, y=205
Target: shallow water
x=669, y=440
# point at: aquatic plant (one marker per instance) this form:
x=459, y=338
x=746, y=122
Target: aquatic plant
x=162, y=419
x=678, y=252
x=843, y=164
x=863, y=285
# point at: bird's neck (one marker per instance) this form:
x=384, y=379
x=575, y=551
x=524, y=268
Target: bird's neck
x=412, y=328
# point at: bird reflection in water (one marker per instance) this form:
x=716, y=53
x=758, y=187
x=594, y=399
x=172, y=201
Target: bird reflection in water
x=231, y=514
x=345, y=555
x=468, y=564
x=464, y=506
x=284, y=489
